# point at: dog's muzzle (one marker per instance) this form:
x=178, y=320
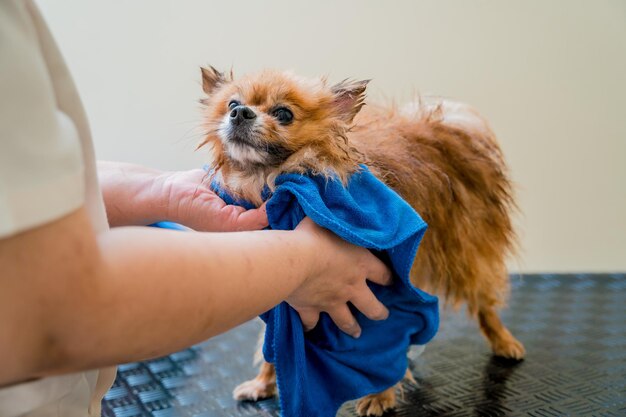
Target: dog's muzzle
x=242, y=115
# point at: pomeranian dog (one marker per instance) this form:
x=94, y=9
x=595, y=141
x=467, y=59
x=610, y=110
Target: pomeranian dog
x=440, y=156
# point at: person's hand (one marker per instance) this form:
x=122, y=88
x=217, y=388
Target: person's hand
x=137, y=195
x=188, y=200
x=339, y=277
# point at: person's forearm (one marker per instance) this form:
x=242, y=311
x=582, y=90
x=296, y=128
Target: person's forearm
x=159, y=300
x=72, y=300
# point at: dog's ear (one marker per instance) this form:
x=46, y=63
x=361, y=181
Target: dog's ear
x=211, y=78
x=349, y=97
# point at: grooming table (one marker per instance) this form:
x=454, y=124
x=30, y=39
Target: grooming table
x=573, y=328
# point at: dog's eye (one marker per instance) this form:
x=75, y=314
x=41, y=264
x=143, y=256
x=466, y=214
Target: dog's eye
x=283, y=115
x=232, y=104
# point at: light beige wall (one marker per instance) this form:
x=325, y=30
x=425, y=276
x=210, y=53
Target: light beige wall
x=550, y=75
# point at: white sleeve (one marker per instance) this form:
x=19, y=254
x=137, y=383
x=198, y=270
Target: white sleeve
x=41, y=167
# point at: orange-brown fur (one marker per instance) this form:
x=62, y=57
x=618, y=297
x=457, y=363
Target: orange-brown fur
x=440, y=156
x=319, y=142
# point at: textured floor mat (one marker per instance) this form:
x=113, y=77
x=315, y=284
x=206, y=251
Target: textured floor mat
x=573, y=327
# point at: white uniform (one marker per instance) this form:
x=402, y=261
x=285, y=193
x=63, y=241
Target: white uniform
x=47, y=170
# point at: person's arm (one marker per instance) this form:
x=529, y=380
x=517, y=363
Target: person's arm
x=74, y=300
x=137, y=195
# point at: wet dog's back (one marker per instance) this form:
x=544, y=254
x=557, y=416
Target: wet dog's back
x=443, y=159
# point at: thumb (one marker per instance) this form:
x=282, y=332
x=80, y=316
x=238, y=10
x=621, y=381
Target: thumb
x=253, y=219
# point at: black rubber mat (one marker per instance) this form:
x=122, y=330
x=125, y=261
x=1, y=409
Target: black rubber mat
x=573, y=327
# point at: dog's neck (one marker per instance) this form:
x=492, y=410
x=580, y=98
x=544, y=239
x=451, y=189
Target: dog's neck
x=248, y=182
x=245, y=184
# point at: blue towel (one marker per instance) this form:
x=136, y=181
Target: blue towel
x=319, y=370
x=170, y=225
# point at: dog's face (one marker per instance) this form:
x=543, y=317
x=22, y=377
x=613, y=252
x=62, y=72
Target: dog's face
x=265, y=120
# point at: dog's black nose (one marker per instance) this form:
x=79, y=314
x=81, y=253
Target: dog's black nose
x=241, y=114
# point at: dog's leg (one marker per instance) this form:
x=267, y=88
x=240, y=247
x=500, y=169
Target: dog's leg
x=262, y=386
x=502, y=342
x=377, y=404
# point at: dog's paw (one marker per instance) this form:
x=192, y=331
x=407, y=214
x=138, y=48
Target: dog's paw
x=509, y=348
x=254, y=390
x=376, y=404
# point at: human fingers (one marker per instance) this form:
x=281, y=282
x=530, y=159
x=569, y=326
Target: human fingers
x=253, y=219
x=236, y=218
x=309, y=318
x=377, y=271
x=343, y=318
x=366, y=302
